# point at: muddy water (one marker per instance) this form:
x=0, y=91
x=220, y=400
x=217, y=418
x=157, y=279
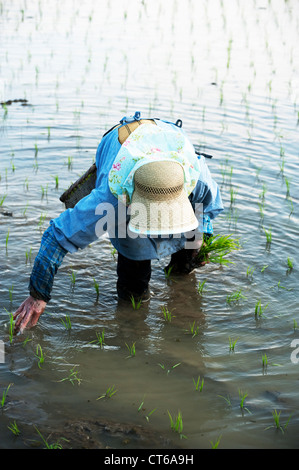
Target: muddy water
x=229, y=70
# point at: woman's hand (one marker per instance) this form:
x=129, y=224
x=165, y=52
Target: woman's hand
x=28, y=314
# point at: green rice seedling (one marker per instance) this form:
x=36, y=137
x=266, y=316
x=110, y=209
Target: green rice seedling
x=69, y=162
x=41, y=220
x=44, y=191
x=295, y=325
x=56, y=178
x=279, y=286
x=263, y=192
x=198, y=385
x=72, y=377
x=233, y=195
x=242, y=397
x=250, y=271
x=54, y=445
x=264, y=267
x=264, y=360
x=28, y=255
x=100, y=339
x=216, y=248
x=171, y=368
x=109, y=393
x=13, y=427
x=11, y=327
x=216, y=443
x=5, y=110
x=4, y=395
x=40, y=355
x=290, y=204
x=135, y=305
x=290, y=263
x=235, y=297
x=166, y=313
x=35, y=150
x=226, y=399
x=259, y=310
x=194, y=330
x=73, y=276
x=113, y=251
x=141, y=405
x=176, y=424
x=227, y=172
x=2, y=200
x=261, y=208
x=97, y=289
x=277, y=424
x=281, y=166
x=268, y=234
x=6, y=241
x=149, y=414
x=131, y=349
x=167, y=272
x=200, y=288
x=232, y=344
x=25, y=210
x=67, y=322
x=287, y=183
x=26, y=340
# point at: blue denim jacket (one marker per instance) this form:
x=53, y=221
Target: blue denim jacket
x=76, y=228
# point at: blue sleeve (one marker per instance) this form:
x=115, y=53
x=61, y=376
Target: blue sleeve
x=207, y=192
x=46, y=264
x=76, y=228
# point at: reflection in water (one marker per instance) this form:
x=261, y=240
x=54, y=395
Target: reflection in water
x=229, y=70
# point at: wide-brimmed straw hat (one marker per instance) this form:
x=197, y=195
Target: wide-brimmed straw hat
x=160, y=204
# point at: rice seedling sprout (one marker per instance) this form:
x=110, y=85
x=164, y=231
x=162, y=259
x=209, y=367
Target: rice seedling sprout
x=215, y=444
x=176, y=424
x=109, y=393
x=100, y=339
x=66, y=322
x=131, y=349
x=13, y=427
x=232, y=344
x=55, y=445
x=200, y=288
x=167, y=314
x=96, y=287
x=72, y=377
x=136, y=304
x=277, y=423
x=4, y=395
x=40, y=355
x=216, y=248
x=197, y=384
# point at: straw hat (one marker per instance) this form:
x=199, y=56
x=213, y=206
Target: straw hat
x=160, y=204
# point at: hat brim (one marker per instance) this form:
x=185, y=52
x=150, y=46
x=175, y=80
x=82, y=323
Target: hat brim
x=154, y=217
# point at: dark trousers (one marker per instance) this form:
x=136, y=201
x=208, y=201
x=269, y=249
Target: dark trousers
x=133, y=277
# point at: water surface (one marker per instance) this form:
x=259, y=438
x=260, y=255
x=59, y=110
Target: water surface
x=229, y=70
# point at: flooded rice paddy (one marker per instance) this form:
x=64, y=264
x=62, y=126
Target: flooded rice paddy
x=226, y=360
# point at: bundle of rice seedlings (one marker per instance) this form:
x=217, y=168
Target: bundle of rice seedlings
x=216, y=248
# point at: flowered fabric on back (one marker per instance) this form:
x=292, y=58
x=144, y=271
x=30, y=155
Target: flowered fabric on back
x=149, y=143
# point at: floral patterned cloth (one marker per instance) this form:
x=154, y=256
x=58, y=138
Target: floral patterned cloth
x=151, y=143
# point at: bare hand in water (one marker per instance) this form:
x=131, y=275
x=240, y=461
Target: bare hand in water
x=28, y=313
